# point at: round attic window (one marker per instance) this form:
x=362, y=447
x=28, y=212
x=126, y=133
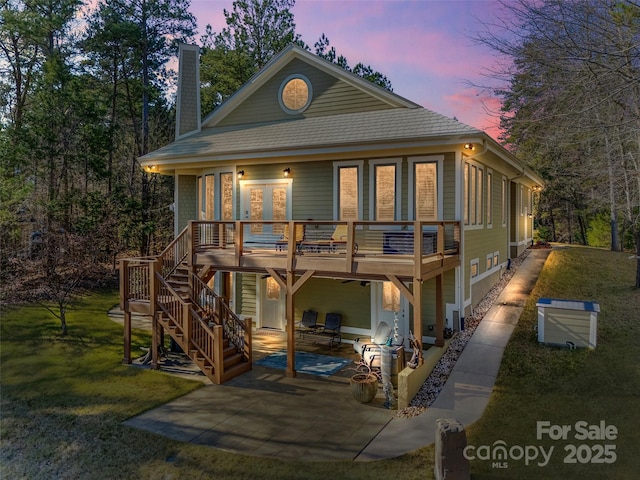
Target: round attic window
x=295, y=94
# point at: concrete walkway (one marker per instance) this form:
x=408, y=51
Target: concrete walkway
x=466, y=393
x=264, y=413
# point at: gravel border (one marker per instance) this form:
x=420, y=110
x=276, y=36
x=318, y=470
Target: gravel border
x=436, y=380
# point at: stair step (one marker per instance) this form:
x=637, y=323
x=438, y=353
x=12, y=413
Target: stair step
x=232, y=360
x=235, y=371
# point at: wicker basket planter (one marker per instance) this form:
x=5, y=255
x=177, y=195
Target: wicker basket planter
x=364, y=387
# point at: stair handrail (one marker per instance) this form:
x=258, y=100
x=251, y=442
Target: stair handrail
x=235, y=329
x=175, y=253
x=197, y=332
x=177, y=317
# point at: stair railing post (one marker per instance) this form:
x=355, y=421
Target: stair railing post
x=248, y=340
x=124, y=306
x=155, y=342
x=155, y=269
x=186, y=326
x=218, y=353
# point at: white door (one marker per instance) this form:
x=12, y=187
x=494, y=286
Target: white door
x=265, y=200
x=272, y=304
x=382, y=309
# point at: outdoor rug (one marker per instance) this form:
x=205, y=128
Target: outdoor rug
x=311, y=363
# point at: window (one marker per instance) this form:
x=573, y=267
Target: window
x=226, y=192
x=384, y=199
x=473, y=195
x=216, y=196
x=209, y=199
x=347, y=177
x=466, y=193
x=295, y=94
x=475, y=267
x=489, y=197
x=424, y=182
x=496, y=259
x=480, y=198
x=504, y=201
x=489, y=264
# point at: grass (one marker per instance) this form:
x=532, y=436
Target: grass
x=64, y=398
x=561, y=386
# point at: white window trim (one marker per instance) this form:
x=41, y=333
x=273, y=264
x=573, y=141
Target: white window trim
x=476, y=262
x=489, y=198
x=268, y=181
x=489, y=262
x=216, y=172
x=336, y=186
x=439, y=160
x=397, y=162
x=479, y=210
x=505, y=201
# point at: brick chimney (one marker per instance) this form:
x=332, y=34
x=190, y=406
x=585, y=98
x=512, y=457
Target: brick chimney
x=188, y=97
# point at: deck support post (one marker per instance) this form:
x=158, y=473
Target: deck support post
x=127, y=338
x=155, y=342
x=417, y=310
x=439, y=312
x=291, y=333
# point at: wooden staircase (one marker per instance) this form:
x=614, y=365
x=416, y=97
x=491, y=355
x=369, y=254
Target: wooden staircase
x=204, y=308
x=182, y=305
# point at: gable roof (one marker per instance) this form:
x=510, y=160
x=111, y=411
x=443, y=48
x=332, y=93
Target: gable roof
x=285, y=57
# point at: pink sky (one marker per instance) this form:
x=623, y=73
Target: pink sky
x=422, y=46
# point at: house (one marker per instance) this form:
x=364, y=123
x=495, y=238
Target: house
x=356, y=171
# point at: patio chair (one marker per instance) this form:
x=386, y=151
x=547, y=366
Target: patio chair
x=338, y=239
x=283, y=243
x=308, y=323
x=371, y=350
x=331, y=328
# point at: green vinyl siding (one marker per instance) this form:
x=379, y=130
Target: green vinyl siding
x=186, y=200
x=312, y=191
x=331, y=96
x=246, y=294
x=311, y=187
x=325, y=295
x=449, y=187
x=429, y=300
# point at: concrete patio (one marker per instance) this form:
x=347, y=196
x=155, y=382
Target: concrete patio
x=265, y=413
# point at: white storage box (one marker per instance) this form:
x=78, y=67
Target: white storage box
x=569, y=323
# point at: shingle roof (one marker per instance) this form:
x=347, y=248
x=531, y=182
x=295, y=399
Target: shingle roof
x=392, y=125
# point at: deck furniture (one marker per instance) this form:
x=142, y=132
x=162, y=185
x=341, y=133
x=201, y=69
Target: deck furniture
x=330, y=330
x=308, y=323
x=337, y=241
x=283, y=243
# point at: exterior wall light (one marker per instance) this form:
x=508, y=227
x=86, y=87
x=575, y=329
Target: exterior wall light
x=240, y=174
x=469, y=146
x=286, y=172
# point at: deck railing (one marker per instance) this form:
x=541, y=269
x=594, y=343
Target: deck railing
x=321, y=237
x=217, y=312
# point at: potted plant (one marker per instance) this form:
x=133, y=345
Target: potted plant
x=364, y=384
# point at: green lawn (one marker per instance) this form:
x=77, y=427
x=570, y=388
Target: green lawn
x=538, y=383
x=63, y=399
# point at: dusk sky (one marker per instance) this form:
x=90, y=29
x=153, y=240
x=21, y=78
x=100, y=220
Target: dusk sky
x=422, y=46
